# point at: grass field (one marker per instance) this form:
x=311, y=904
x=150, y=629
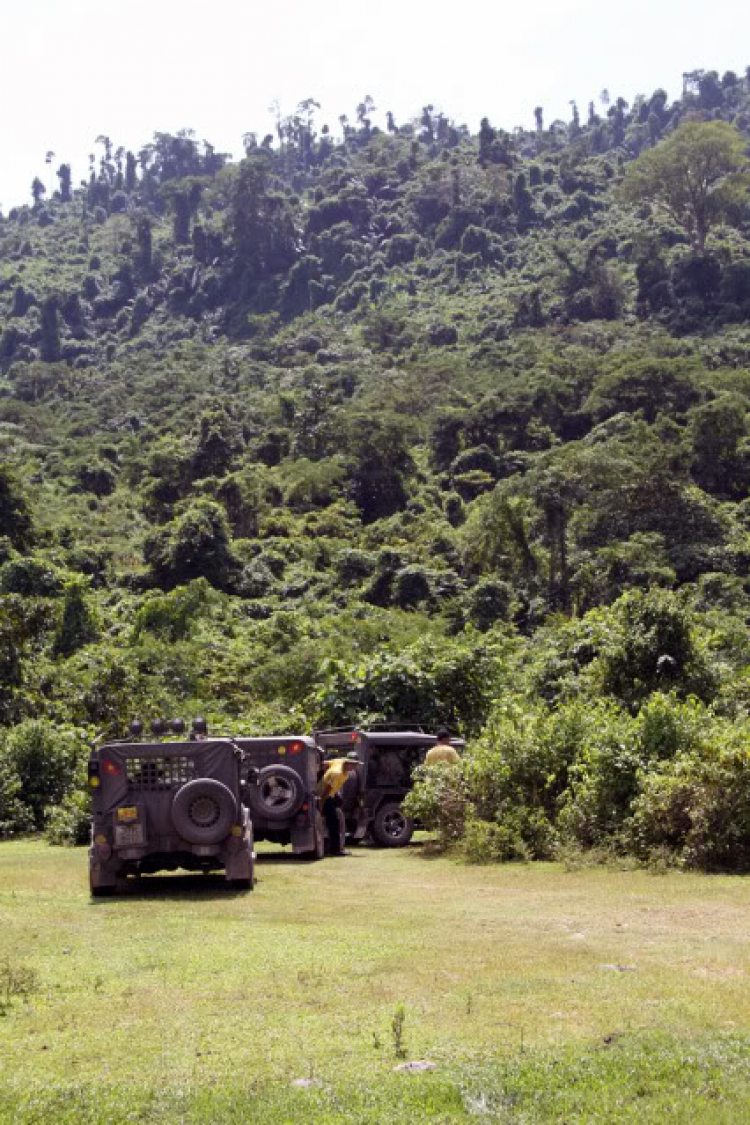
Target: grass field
x=537, y=994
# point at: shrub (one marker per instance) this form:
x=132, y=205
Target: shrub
x=97, y=477
x=438, y=801
x=39, y=763
x=70, y=822
x=353, y=565
x=486, y=842
x=15, y=816
x=411, y=586
x=255, y=580
x=654, y=649
x=78, y=626
x=454, y=509
x=450, y=682
x=196, y=545
x=173, y=616
x=488, y=601
x=30, y=576
x=479, y=457
x=697, y=806
x=603, y=779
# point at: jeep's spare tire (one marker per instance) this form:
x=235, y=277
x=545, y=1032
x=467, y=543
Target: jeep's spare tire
x=278, y=794
x=392, y=828
x=203, y=811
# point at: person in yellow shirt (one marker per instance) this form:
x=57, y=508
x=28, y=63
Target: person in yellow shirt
x=335, y=776
x=442, y=751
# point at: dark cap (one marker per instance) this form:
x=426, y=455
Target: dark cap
x=443, y=733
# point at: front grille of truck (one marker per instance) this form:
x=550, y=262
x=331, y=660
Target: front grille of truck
x=149, y=775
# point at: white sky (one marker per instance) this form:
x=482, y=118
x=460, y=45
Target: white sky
x=72, y=69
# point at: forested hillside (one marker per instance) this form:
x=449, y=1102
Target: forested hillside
x=414, y=421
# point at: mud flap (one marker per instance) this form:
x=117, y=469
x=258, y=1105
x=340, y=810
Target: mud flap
x=303, y=839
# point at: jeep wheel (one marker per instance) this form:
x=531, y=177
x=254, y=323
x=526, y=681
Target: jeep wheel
x=203, y=811
x=100, y=891
x=278, y=794
x=239, y=884
x=391, y=828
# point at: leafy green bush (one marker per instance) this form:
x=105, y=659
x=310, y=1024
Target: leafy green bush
x=15, y=816
x=430, y=682
x=39, y=763
x=492, y=842
x=196, y=545
x=353, y=565
x=79, y=624
x=439, y=801
x=654, y=648
x=30, y=576
x=411, y=587
x=488, y=601
x=696, y=806
x=70, y=822
x=603, y=779
x=173, y=616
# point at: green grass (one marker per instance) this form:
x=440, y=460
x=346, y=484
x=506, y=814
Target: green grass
x=538, y=994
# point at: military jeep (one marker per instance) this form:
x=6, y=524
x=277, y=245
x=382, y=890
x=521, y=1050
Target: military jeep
x=281, y=791
x=371, y=799
x=163, y=804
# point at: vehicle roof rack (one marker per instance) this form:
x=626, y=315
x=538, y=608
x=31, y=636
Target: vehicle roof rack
x=394, y=725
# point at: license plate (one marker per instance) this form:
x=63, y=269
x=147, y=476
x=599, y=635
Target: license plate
x=127, y=812
x=128, y=834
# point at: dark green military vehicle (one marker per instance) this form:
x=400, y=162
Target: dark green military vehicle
x=165, y=803
x=371, y=800
x=282, y=773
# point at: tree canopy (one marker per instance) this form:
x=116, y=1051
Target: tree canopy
x=694, y=175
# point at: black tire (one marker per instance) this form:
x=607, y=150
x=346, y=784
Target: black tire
x=106, y=891
x=278, y=794
x=391, y=828
x=203, y=811
x=239, y=884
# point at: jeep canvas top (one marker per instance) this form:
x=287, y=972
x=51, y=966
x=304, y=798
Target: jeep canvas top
x=161, y=805
x=282, y=798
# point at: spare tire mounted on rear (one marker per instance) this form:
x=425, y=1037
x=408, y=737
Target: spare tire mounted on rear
x=204, y=811
x=278, y=794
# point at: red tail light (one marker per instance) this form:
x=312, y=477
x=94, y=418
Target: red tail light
x=110, y=768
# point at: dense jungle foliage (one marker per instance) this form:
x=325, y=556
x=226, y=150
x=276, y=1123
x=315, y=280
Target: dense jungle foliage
x=405, y=422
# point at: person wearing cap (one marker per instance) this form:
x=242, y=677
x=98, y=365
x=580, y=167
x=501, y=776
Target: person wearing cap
x=336, y=774
x=442, y=751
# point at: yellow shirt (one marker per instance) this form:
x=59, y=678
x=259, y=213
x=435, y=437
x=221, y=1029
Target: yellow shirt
x=334, y=778
x=441, y=752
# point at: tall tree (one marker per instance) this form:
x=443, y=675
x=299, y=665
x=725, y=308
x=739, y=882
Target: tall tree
x=696, y=176
x=63, y=175
x=37, y=191
x=50, y=349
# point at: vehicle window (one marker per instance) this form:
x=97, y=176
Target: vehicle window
x=392, y=766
